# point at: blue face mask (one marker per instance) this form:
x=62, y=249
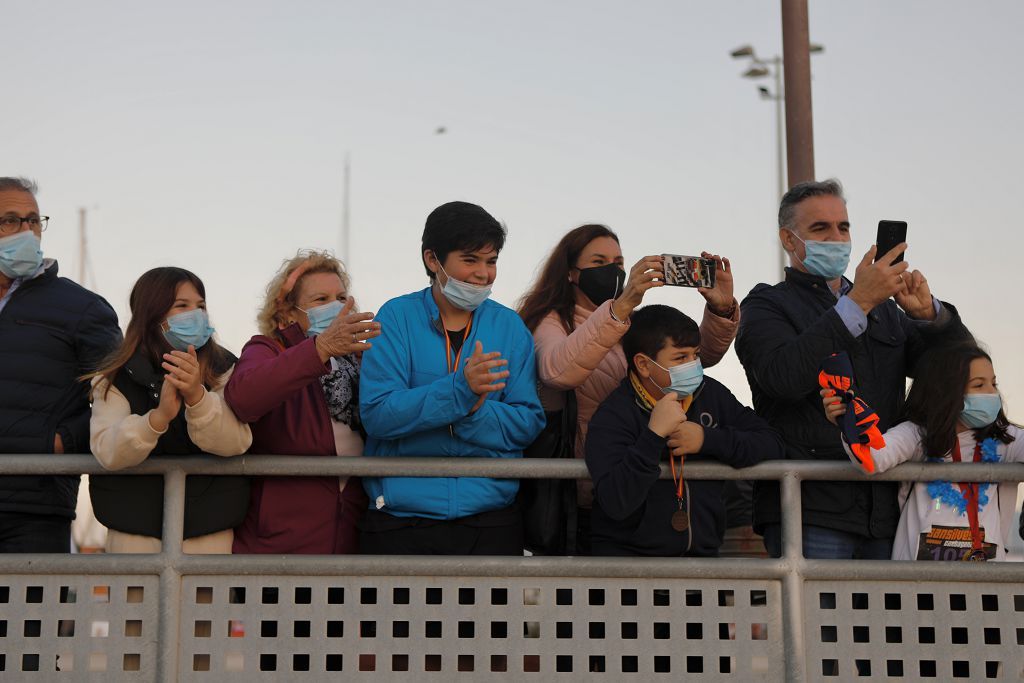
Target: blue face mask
x=20, y=255
x=188, y=328
x=683, y=379
x=827, y=259
x=464, y=295
x=321, y=317
x=980, y=410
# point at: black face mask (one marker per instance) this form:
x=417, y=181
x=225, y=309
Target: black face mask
x=601, y=283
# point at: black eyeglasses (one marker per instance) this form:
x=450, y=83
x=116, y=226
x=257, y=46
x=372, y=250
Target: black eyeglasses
x=12, y=224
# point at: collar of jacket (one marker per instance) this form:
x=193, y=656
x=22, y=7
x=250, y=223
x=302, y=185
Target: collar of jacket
x=434, y=313
x=48, y=274
x=291, y=335
x=141, y=371
x=816, y=282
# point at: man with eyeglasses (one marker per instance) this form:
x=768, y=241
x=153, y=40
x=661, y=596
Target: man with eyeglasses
x=52, y=331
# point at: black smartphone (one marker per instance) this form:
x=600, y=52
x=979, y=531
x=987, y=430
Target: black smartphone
x=890, y=233
x=688, y=271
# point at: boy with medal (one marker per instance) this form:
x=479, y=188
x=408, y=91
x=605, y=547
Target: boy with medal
x=666, y=409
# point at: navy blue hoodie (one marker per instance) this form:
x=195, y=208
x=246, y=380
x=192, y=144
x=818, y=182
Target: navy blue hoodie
x=632, y=507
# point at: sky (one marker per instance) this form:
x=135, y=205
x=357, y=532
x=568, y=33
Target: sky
x=212, y=136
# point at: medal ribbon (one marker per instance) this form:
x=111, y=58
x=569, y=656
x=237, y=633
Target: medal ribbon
x=970, y=494
x=448, y=345
x=678, y=482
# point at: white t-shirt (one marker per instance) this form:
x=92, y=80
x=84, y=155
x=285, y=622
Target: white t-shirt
x=923, y=516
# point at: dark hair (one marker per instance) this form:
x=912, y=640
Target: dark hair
x=460, y=226
x=936, y=398
x=806, y=190
x=651, y=326
x=150, y=300
x=18, y=185
x=552, y=290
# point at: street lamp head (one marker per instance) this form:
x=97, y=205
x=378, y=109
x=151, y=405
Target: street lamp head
x=815, y=47
x=745, y=51
x=755, y=72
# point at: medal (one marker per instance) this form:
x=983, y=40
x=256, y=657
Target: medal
x=680, y=518
x=970, y=556
x=681, y=521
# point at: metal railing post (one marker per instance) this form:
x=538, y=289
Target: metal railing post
x=793, y=584
x=170, y=576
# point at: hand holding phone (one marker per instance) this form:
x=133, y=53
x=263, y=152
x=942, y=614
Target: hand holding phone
x=890, y=235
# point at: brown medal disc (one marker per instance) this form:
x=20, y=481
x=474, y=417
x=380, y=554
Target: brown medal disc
x=975, y=556
x=680, y=520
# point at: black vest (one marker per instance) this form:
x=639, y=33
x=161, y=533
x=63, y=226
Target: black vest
x=134, y=504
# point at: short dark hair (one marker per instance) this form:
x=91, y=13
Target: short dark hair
x=806, y=190
x=651, y=326
x=460, y=226
x=19, y=185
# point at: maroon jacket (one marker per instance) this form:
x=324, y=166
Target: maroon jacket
x=276, y=389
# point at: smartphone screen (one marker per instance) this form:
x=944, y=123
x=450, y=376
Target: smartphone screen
x=890, y=233
x=688, y=271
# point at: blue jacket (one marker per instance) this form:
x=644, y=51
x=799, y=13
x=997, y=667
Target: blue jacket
x=411, y=405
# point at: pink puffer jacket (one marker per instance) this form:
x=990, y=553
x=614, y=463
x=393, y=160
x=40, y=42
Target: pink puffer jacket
x=590, y=360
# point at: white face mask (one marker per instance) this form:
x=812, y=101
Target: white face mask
x=464, y=295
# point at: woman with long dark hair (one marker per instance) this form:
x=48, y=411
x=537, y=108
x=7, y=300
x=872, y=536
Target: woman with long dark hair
x=161, y=393
x=578, y=310
x=953, y=413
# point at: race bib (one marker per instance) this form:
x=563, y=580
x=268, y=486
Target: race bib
x=950, y=543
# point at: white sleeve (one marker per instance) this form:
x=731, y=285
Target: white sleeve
x=118, y=438
x=902, y=444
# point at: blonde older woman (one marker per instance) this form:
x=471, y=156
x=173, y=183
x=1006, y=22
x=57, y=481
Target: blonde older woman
x=296, y=383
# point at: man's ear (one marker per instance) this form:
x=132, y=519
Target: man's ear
x=430, y=261
x=788, y=240
x=642, y=365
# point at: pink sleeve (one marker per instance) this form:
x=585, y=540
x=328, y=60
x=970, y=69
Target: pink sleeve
x=716, y=335
x=565, y=361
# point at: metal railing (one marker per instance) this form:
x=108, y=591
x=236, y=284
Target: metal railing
x=791, y=571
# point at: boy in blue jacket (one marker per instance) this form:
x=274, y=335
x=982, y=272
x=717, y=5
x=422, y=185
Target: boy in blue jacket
x=451, y=374
x=666, y=409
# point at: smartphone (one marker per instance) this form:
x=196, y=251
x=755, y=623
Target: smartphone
x=890, y=233
x=688, y=271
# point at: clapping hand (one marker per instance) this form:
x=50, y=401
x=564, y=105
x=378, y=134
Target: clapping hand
x=184, y=374
x=348, y=333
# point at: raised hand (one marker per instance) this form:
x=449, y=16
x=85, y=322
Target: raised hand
x=687, y=438
x=666, y=415
x=646, y=274
x=478, y=371
x=184, y=374
x=874, y=282
x=348, y=333
x=720, y=297
x=168, y=408
x=915, y=297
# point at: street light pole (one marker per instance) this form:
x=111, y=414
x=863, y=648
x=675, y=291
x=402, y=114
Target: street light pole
x=773, y=66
